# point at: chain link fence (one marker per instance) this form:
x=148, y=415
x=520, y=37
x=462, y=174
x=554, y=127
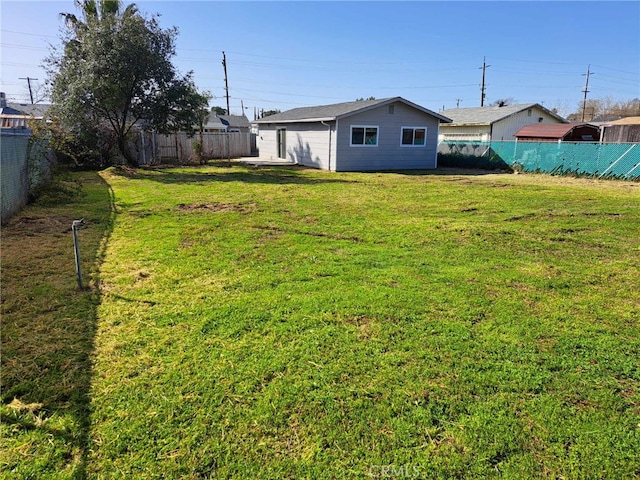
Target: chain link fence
x=25, y=164
x=606, y=160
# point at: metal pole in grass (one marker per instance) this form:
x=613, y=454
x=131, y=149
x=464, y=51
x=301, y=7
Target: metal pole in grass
x=74, y=228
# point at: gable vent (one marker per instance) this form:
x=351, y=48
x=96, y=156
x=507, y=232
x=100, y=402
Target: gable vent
x=392, y=109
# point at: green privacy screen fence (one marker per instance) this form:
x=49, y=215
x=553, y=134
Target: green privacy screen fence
x=617, y=160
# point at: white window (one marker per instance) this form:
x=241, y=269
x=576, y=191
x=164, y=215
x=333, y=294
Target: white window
x=364, y=136
x=413, y=137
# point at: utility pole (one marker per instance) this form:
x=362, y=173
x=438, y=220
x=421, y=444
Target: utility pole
x=586, y=90
x=226, y=83
x=484, y=68
x=458, y=100
x=242, y=105
x=28, y=79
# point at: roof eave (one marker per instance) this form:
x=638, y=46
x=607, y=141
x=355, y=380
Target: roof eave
x=366, y=108
x=469, y=124
x=532, y=105
x=524, y=107
x=300, y=120
x=552, y=137
x=388, y=101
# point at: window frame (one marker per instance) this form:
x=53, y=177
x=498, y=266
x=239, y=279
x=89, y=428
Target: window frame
x=351, y=144
x=414, y=128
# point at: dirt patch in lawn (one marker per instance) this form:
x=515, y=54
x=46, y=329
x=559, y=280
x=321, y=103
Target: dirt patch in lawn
x=218, y=207
x=39, y=225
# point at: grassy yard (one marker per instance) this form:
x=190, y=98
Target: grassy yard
x=288, y=323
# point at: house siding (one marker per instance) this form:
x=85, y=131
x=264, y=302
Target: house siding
x=504, y=130
x=389, y=154
x=266, y=142
x=468, y=133
x=306, y=143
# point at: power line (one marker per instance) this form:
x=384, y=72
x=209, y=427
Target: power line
x=527, y=72
x=635, y=74
x=621, y=81
x=315, y=60
x=22, y=47
x=534, y=61
x=14, y=64
x=26, y=33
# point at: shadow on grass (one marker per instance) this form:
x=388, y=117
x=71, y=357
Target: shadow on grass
x=444, y=172
x=48, y=332
x=259, y=174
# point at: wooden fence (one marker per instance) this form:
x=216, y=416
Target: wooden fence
x=154, y=148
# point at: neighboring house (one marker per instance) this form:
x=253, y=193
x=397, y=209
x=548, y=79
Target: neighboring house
x=625, y=130
x=493, y=124
x=15, y=117
x=226, y=123
x=13, y=123
x=558, y=132
x=385, y=134
x=35, y=110
x=236, y=123
x=213, y=124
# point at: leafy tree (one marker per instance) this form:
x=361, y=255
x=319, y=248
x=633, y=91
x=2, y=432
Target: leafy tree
x=219, y=110
x=95, y=11
x=113, y=72
x=503, y=102
x=266, y=113
x=368, y=98
x=605, y=107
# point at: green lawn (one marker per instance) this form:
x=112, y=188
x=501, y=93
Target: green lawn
x=289, y=323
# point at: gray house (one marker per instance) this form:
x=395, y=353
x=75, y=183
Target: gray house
x=385, y=134
x=236, y=123
x=213, y=124
x=226, y=123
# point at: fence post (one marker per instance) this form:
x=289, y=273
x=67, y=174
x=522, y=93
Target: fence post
x=76, y=247
x=142, y=148
x=152, y=138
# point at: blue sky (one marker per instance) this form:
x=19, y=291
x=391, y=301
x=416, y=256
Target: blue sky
x=289, y=54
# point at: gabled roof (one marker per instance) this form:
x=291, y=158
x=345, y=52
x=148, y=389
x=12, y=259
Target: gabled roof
x=235, y=121
x=490, y=115
x=340, y=110
x=626, y=121
x=34, y=110
x=10, y=111
x=550, y=130
x=212, y=121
